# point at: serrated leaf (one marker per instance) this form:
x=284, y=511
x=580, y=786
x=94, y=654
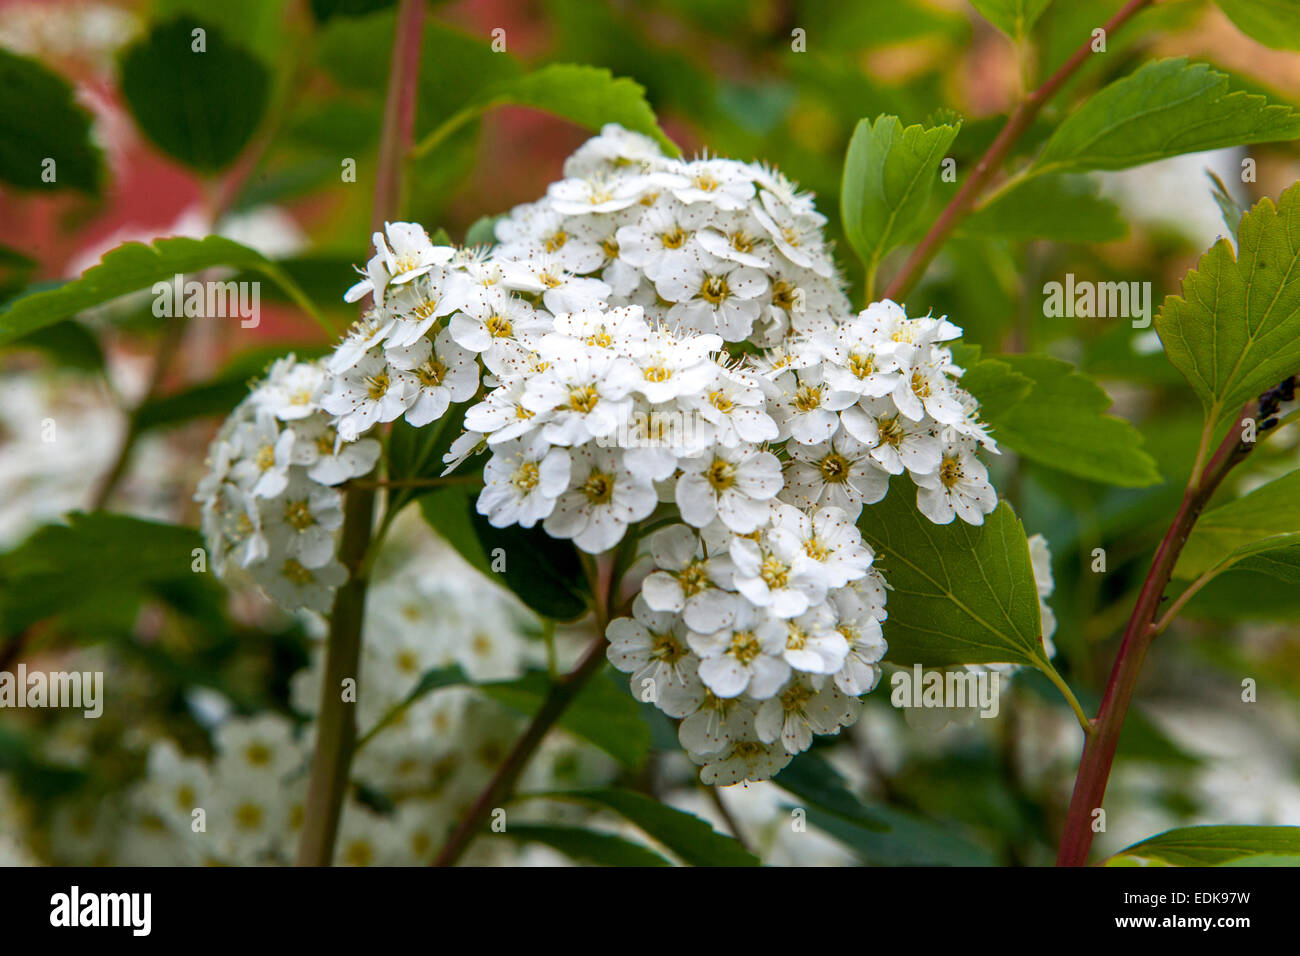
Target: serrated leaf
x=199, y=107
x=1244, y=527
x=996, y=384
x=1015, y=18
x=587, y=95
x=1063, y=208
x=587, y=846
x=961, y=594
x=1234, y=331
x=40, y=120
x=1274, y=23
x=1062, y=423
x=685, y=834
x=131, y=266
x=1211, y=846
x=602, y=713
x=1166, y=108
x=889, y=172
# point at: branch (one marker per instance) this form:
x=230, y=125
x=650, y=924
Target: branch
x=1099, y=748
x=562, y=693
x=1021, y=118
x=336, y=728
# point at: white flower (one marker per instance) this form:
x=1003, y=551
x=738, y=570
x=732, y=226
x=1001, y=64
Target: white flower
x=775, y=573
x=839, y=473
x=721, y=299
x=292, y=389
x=806, y=406
x=861, y=629
x=829, y=540
x=744, y=657
x=604, y=497
x=745, y=758
x=368, y=393
x=959, y=487
x=292, y=585
x=265, y=454
x=733, y=484
x=663, y=241
x=522, y=481
x=584, y=393
x=438, y=373
x=419, y=304
x=897, y=444
x=494, y=322
x=407, y=254
x=734, y=406
x=327, y=458
x=302, y=521
x=720, y=183
x=802, y=710
x=812, y=644
x=561, y=291
x=688, y=581
x=651, y=646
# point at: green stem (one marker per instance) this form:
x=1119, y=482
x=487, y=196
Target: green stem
x=336, y=721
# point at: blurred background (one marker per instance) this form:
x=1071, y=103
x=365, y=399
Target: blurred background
x=194, y=672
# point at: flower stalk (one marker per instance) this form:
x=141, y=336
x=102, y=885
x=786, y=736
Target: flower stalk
x=336, y=723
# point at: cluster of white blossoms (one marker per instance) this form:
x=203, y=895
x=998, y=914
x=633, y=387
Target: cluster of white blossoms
x=421, y=762
x=656, y=340
x=269, y=505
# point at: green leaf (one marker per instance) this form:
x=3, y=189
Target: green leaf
x=39, y=121
x=1211, y=846
x=1015, y=18
x=199, y=107
x=587, y=95
x=66, y=343
x=324, y=10
x=889, y=172
x=429, y=681
x=1274, y=23
x=94, y=557
x=880, y=835
x=483, y=231
x=259, y=25
x=996, y=384
x=1063, y=424
x=1234, y=331
x=685, y=834
x=1256, y=523
x=131, y=266
x=544, y=572
x=218, y=395
x=602, y=849
x=1167, y=108
x=1228, y=206
x=811, y=777
x=960, y=594
x=1062, y=208
x=603, y=713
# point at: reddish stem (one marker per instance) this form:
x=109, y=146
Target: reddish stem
x=1099, y=749
x=1017, y=123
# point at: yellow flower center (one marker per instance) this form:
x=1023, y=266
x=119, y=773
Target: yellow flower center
x=674, y=238
x=599, y=487
x=583, y=398
x=296, y=573
x=744, y=646
x=714, y=290
x=721, y=474
x=431, y=373
x=498, y=326
x=774, y=572
x=297, y=514
x=834, y=468
x=950, y=471
x=526, y=477
x=808, y=398
x=377, y=385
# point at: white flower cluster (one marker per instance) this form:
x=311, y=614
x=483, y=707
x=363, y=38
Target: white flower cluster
x=667, y=338
x=428, y=760
x=268, y=501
